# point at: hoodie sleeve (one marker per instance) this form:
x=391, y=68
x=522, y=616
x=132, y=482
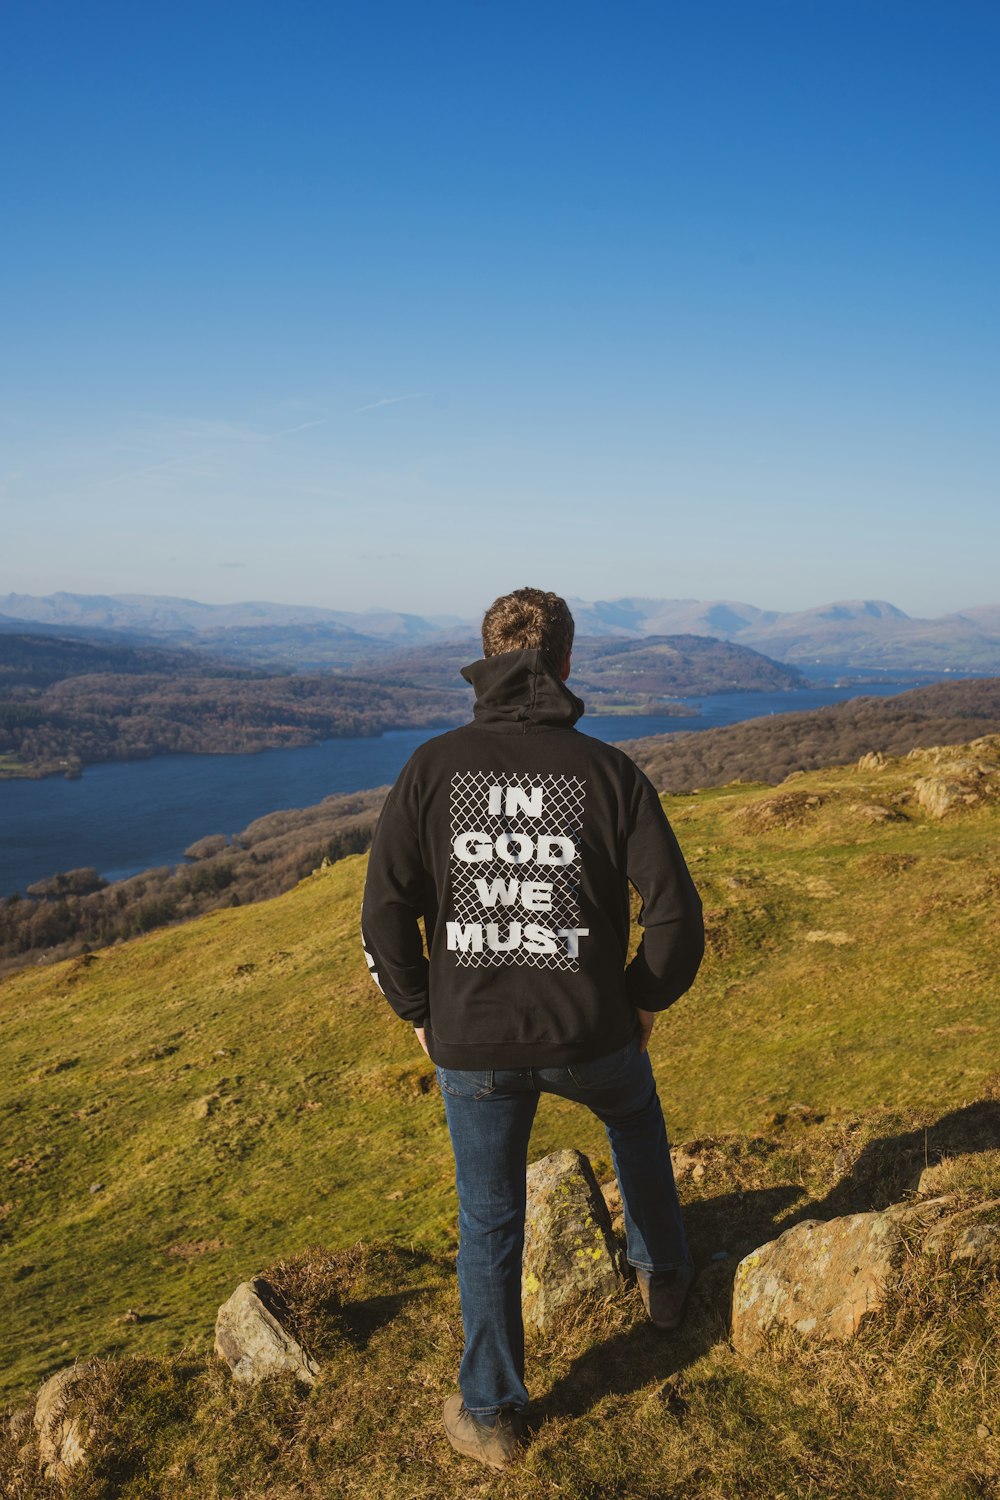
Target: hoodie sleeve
x=673, y=940
x=393, y=903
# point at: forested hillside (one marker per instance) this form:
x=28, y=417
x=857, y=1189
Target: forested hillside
x=61, y=708
x=615, y=675
x=769, y=749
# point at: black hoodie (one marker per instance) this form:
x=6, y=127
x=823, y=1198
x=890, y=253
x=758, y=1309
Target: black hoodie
x=515, y=838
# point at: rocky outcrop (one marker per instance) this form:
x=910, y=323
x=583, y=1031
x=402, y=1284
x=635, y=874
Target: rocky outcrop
x=253, y=1335
x=962, y=1241
x=940, y=795
x=569, y=1248
x=958, y=781
x=822, y=1279
x=61, y=1423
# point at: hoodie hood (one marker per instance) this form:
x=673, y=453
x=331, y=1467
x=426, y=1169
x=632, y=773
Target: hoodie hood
x=518, y=691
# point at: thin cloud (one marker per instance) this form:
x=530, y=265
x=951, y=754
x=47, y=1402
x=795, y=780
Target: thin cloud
x=210, y=437
x=302, y=427
x=386, y=401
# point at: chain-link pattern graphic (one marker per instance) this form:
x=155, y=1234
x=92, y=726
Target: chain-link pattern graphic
x=561, y=816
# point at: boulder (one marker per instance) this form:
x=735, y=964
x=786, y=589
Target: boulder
x=61, y=1423
x=974, y=1245
x=821, y=1279
x=938, y=796
x=978, y=1246
x=569, y=1248
x=252, y=1336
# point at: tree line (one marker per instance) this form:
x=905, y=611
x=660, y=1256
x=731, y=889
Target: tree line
x=769, y=749
x=119, y=716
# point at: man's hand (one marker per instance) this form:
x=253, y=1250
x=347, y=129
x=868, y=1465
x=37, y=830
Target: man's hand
x=418, y=1032
x=646, y=1019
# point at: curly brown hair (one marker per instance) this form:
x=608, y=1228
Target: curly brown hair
x=526, y=619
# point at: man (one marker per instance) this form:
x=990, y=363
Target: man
x=515, y=837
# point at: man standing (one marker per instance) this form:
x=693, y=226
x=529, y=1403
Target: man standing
x=515, y=838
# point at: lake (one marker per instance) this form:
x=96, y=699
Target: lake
x=126, y=816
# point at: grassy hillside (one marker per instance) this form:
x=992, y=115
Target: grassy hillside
x=239, y=1090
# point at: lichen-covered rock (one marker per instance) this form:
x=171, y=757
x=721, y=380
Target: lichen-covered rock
x=569, y=1249
x=252, y=1337
x=820, y=1279
x=977, y=1245
x=61, y=1423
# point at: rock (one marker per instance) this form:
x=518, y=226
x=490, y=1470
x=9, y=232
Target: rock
x=611, y=1194
x=687, y=1161
x=974, y=1245
x=61, y=1422
x=205, y=1106
x=821, y=1279
x=251, y=1336
x=977, y=1245
x=569, y=1250
x=874, y=812
x=938, y=796
x=873, y=761
x=957, y=781
x=96, y=1187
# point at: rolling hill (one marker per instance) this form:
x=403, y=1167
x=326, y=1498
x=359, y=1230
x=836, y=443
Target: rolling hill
x=186, y=1106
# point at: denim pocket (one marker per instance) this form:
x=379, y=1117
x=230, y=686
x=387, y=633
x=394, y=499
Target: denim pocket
x=600, y=1071
x=466, y=1083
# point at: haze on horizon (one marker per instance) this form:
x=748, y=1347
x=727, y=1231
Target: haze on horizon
x=345, y=306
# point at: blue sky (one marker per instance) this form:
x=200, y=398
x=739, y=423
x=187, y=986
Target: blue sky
x=407, y=305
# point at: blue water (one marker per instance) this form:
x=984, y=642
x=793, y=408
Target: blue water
x=122, y=817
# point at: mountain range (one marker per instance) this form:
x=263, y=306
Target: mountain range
x=853, y=633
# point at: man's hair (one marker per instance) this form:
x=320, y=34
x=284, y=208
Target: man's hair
x=526, y=619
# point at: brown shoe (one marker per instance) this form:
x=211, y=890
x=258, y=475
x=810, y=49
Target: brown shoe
x=664, y=1294
x=495, y=1446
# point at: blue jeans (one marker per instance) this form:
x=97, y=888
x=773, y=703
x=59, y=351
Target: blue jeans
x=490, y=1114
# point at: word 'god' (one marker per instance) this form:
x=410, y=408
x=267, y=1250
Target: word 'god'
x=515, y=848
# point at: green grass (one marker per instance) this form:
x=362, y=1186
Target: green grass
x=242, y=1091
